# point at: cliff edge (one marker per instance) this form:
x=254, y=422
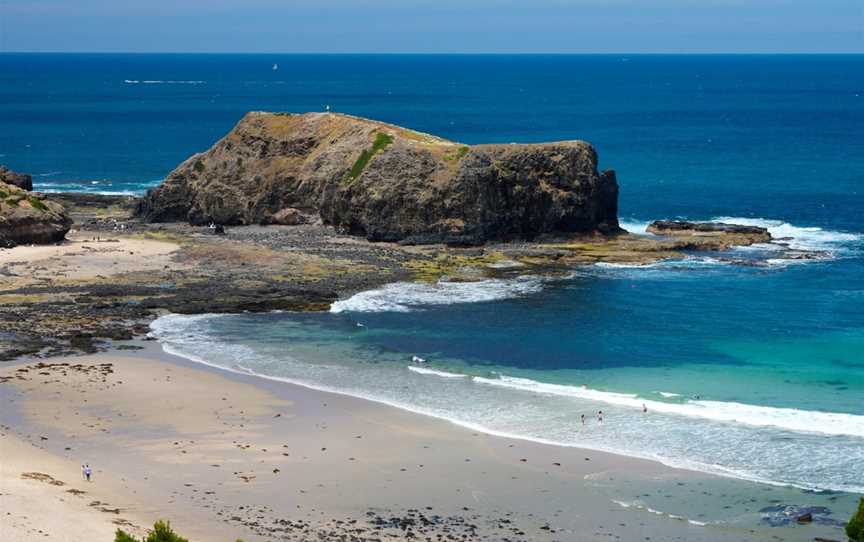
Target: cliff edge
x=387, y=183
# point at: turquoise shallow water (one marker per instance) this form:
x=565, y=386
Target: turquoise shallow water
x=762, y=390
x=773, y=349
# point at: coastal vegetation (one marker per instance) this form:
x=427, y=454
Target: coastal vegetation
x=855, y=527
x=382, y=141
x=36, y=204
x=458, y=154
x=162, y=532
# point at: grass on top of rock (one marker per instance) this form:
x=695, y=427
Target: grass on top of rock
x=382, y=141
x=36, y=204
x=458, y=154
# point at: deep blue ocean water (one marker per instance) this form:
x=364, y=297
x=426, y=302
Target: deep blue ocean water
x=755, y=371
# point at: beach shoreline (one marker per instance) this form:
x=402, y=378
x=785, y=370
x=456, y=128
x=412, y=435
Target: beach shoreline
x=227, y=455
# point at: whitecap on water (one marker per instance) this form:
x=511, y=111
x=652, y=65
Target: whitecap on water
x=409, y=296
x=791, y=419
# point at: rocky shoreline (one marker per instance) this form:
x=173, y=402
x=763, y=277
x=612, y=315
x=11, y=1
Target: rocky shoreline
x=68, y=302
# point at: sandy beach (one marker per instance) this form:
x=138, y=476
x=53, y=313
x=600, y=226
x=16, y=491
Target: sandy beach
x=225, y=456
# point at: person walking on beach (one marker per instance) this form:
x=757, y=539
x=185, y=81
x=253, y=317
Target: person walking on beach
x=87, y=472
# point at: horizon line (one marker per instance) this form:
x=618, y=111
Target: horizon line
x=428, y=53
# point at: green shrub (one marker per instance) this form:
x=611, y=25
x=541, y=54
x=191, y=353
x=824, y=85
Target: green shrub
x=382, y=141
x=458, y=154
x=199, y=166
x=37, y=204
x=161, y=532
x=855, y=527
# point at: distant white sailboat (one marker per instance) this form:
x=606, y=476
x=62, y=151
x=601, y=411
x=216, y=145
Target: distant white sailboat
x=275, y=67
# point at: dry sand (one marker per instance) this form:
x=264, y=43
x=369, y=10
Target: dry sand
x=226, y=456
x=82, y=257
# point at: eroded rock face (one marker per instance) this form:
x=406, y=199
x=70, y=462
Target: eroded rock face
x=387, y=183
x=21, y=180
x=29, y=218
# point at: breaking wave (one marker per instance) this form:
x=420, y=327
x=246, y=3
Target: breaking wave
x=160, y=82
x=791, y=419
x=410, y=296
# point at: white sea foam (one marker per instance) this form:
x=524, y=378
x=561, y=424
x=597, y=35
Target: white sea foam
x=612, y=265
x=669, y=394
x=160, y=82
x=442, y=374
x=634, y=226
x=409, y=296
x=61, y=190
x=797, y=237
x=808, y=421
x=476, y=405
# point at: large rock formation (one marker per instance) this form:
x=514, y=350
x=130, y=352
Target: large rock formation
x=27, y=218
x=21, y=180
x=387, y=183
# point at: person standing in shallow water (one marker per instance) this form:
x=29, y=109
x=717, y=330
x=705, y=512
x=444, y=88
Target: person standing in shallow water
x=583, y=419
x=600, y=416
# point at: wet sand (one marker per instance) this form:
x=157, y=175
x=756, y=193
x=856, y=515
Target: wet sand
x=226, y=456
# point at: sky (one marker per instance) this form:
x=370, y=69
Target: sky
x=434, y=26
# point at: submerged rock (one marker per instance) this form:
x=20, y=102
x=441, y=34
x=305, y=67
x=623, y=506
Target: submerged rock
x=26, y=218
x=387, y=183
x=788, y=514
x=21, y=180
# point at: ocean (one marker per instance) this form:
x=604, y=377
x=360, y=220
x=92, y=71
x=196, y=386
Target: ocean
x=750, y=365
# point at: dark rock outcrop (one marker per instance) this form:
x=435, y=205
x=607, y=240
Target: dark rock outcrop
x=679, y=226
x=387, y=183
x=21, y=180
x=710, y=235
x=26, y=218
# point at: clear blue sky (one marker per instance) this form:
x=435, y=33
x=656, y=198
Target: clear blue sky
x=470, y=26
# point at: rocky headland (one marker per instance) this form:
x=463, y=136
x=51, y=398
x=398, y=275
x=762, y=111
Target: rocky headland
x=29, y=218
x=313, y=208
x=387, y=183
